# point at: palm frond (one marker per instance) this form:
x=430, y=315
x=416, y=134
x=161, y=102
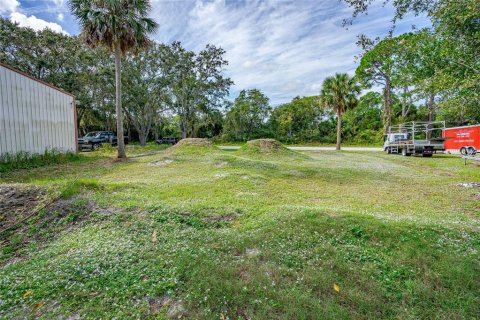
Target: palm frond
x=107, y=22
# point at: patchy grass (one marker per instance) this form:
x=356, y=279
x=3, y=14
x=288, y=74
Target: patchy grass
x=202, y=233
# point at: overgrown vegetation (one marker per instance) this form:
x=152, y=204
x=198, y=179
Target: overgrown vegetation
x=25, y=160
x=205, y=233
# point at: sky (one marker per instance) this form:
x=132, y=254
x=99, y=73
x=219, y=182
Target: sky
x=286, y=48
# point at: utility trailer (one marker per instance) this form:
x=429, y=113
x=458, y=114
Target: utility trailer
x=425, y=138
x=465, y=140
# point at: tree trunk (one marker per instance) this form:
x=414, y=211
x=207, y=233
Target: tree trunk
x=118, y=101
x=184, y=130
x=142, y=137
x=339, y=129
x=404, y=103
x=431, y=112
x=387, y=105
x=431, y=107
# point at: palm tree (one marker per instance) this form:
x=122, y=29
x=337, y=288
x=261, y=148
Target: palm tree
x=339, y=94
x=121, y=26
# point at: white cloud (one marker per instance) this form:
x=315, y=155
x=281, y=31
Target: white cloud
x=285, y=48
x=60, y=17
x=34, y=22
x=7, y=6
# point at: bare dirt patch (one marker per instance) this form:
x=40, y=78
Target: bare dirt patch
x=16, y=201
x=221, y=164
x=469, y=185
x=222, y=174
x=174, y=308
x=160, y=163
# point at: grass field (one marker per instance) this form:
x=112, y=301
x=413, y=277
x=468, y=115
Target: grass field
x=200, y=233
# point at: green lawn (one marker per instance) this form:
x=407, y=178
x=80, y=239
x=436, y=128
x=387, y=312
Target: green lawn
x=201, y=233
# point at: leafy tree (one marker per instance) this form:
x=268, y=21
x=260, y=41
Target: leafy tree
x=196, y=81
x=457, y=59
x=339, y=94
x=376, y=68
x=363, y=123
x=120, y=26
x=297, y=120
x=248, y=116
x=145, y=92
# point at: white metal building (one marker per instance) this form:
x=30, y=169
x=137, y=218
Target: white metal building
x=34, y=115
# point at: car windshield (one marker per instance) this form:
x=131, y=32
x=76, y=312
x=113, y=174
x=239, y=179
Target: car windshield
x=91, y=134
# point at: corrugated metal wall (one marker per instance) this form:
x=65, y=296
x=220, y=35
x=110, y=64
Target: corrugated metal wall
x=34, y=117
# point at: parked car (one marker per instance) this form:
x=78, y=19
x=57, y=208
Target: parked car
x=167, y=140
x=93, y=140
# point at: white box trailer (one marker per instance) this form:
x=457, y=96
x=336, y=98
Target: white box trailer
x=34, y=115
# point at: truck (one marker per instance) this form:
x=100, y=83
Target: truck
x=465, y=140
x=417, y=138
x=93, y=140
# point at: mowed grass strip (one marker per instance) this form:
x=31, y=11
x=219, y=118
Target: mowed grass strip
x=211, y=234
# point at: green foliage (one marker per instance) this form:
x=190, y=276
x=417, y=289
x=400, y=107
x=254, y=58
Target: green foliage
x=114, y=23
x=25, y=160
x=339, y=94
x=145, y=90
x=247, y=119
x=298, y=120
x=197, y=84
x=364, y=123
x=440, y=66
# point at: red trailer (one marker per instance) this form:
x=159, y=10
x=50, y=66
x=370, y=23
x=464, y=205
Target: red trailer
x=462, y=139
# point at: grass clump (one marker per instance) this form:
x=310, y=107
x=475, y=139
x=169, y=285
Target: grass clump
x=25, y=160
x=265, y=148
x=192, y=146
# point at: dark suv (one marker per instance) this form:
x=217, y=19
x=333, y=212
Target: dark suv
x=167, y=140
x=93, y=140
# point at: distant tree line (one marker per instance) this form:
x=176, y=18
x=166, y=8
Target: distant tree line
x=428, y=74
x=167, y=90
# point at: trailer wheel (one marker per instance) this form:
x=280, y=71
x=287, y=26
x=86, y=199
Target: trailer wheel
x=463, y=151
x=405, y=153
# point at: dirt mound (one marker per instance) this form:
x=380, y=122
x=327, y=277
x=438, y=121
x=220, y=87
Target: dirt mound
x=191, y=144
x=266, y=147
x=198, y=142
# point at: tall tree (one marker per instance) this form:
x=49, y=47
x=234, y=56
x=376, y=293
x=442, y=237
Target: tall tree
x=145, y=91
x=376, y=68
x=196, y=82
x=298, y=120
x=457, y=31
x=339, y=93
x=121, y=26
x=248, y=116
